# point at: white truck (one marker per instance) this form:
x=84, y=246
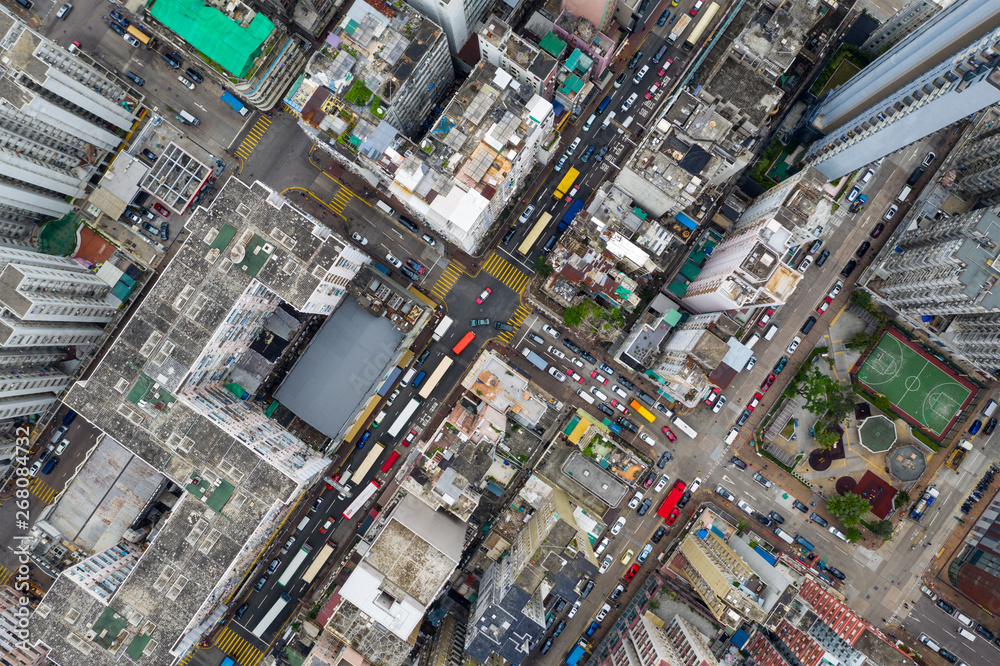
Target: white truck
x=442, y=328
x=678, y=28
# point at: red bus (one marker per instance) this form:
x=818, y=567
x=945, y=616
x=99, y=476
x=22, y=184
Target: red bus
x=387, y=465
x=463, y=343
x=668, y=510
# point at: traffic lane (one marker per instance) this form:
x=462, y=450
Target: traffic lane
x=926, y=618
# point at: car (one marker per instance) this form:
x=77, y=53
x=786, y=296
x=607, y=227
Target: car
x=510, y=234
x=658, y=534
x=837, y=573
x=184, y=82
x=628, y=425
x=561, y=162
x=632, y=571
x=868, y=175
x=644, y=553
x=621, y=79
x=607, y=368
x=117, y=29
x=822, y=307
x=777, y=517
x=484, y=295
x=721, y=491
x=793, y=345
x=570, y=345
x=927, y=160
x=627, y=557
x=800, y=506
x=854, y=193
x=587, y=153
x=414, y=266
x=818, y=519
x=599, y=378
x=428, y=239
x=409, y=438
x=603, y=612
x=648, y=481
x=172, y=59
x=626, y=383
x=627, y=104
x=766, y=317
x=888, y=215
x=132, y=41
x=530, y=209
x=717, y=407
x=195, y=75
x=974, y=428
x=663, y=17
x=696, y=7
x=572, y=374
x=636, y=499
x=946, y=607
x=556, y=352
x=745, y=508
x=316, y=505
x=559, y=628
x=547, y=645
x=838, y=285
x=587, y=356
x=585, y=592
x=862, y=249
x=750, y=363
x=877, y=231
x=592, y=628
x=712, y=396
x=737, y=462
x=136, y=79
x=640, y=74
x=848, y=268
x=635, y=60
x=620, y=406
x=947, y=656
x=670, y=434
x=260, y=584
x=768, y=382
x=823, y=256
x=695, y=485
x=665, y=457
x=780, y=365
x=479, y=322
x=763, y=520
x=762, y=480
x=33, y=471
x=662, y=71
x=647, y=439
x=806, y=263
x=149, y=154
x=241, y=611
x=392, y=398
x=617, y=592
x=558, y=375
x=617, y=527
x=602, y=546
x=754, y=401
x=653, y=89
x=662, y=483
x=672, y=518
x=744, y=417
x=537, y=339
x=985, y=633
x=164, y=231
x=991, y=425
x=325, y=526
x=606, y=564
x=119, y=17
x=685, y=498
x=62, y=447
x=161, y=209
x=359, y=238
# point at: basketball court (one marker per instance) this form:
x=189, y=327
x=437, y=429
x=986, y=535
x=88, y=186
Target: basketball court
x=918, y=385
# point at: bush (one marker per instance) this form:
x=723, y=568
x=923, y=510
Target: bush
x=882, y=529
x=902, y=499
x=542, y=267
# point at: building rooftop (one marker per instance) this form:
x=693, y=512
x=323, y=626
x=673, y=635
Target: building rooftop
x=521, y=52
x=504, y=387
x=775, y=36
x=602, y=484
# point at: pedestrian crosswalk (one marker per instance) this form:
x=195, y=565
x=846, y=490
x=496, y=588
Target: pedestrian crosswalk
x=42, y=490
x=340, y=201
x=237, y=648
x=519, y=314
x=5, y=575
x=255, y=134
x=446, y=281
x=506, y=272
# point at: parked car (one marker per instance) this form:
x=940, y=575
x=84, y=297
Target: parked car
x=890, y=212
x=723, y=492
x=862, y=249
x=849, y=268
x=414, y=266
x=669, y=433
x=762, y=480
x=195, y=75
x=664, y=458
x=738, y=462
x=800, y=506
x=660, y=532
x=479, y=322
x=794, y=344
x=877, y=231
x=776, y=517
x=136, y=79
x=818, y=519
x=719, y=403
x=854, y=193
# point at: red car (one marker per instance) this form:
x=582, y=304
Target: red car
x=821, y=308
x=632, y=571
x=712, y=397
x=754, y=401
x=661, y=72
x=877, y=231
x=697, y=6
x=409, y=438
x=670, y=434
x=483, y=296
x=161, y=210
x=673, y=516
x=572, y=375
x=652, y=90
x=766, y=317
x=599, y=377
x=326, y=526
x=767, y=383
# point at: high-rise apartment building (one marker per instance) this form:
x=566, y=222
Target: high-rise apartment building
x=976, y=161
x=534, y=69
x=459, y=18
x=937, y=75
x=649, y=641
x=942, y=278
x=15, y=648
x=894, y=29
x=721, y=578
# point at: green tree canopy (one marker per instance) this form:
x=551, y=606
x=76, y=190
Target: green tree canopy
x=573, y=316
x=901, y=500
x=827, y=439
x=861, y=298
x=848, y=507
x=542, y=268
x=853, y=534
x=882, y=528
x=816, y=388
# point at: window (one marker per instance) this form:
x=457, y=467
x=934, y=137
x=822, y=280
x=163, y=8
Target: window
x=121, y=385
x=164, y=353
x=183, y=297
x=154, y=339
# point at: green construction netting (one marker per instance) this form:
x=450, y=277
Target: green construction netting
x=217, y=36
x=552, y=45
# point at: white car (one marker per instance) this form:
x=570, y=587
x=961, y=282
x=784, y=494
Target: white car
x=695, y=485
x=717, y=407
x=806, y=263
x=34, y=468
x=752, y=362
x=634, y=502
x=647, y=439
x=558, y=375
x=868, y=176
x=892, y=210
x=358, y=237
x=187, y=84
x=605, y=565
x=65, y=9
x=561, y=162
x=854, y=193
x=603, y=613
x=551, y=331
x=661, y=484
x=393, y=260
x=599, y=394
x=722, y=492
x=601, y=546
x=526, y=215
x=836, y=289
x=392, y=398
x=573, y=146
x=62, y=447
x=575, y=608
x=794, y=344
x=746, y=508
x=618, y=390
x=577, y=362
x=617, y=527
x=630, y=101
x=641, y=73
x=556, y=352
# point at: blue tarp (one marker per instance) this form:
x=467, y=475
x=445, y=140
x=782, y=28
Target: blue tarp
x=687, y=221
x=766, y=555
x=926, y=318
x=740, y=638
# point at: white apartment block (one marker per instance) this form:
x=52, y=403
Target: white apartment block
x=459, y=18
x=534, y=69
x=895, y=28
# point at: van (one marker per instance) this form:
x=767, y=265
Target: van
x=990, y=408
x=607, y=121
x=771, y=330
x=625, y=125
x=344, y=478
x=384, y=207
x=50, y=464
x=550, y=243
x=752, y=341
x=302, y=524
x=903, y=193
x=590, y=121
x=837, y=533
x=378, y=419
x=808, y=326
x=966, y=634
x=409, y=224
x=604, y=104
x=187, y=117
x=915, y=176
x=929, y=643
x=784, y=536
x=405, y=381
x=733, y=434
x=965, y=619
x=419, y=379
x=586, y=396
x=599, y=393
x=659, y=54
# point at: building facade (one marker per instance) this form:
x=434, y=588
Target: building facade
x=12, y=645
x=459, y=18
x=897, y=27
x=649, y=641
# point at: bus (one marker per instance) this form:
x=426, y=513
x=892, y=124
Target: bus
x=370, y=460
x=318, y=563
x=536, y=231
x=463, y=343
x=670, y=503
x=293, y=566
x=432, y=381
x=139, y=34
x=684, y=427
x=639, y=409
x=701, y=26
x=390, y=461
x=268, y=619
x=403, y=418
x=566, y=183
x=360, y=501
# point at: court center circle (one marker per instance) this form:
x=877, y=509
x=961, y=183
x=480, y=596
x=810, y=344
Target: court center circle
x=912, y=383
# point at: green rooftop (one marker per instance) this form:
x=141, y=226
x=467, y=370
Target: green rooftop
x=571, y=84
x=256, y=256
x=226, y=234
x=137, y=647
x=143, y=390
x=215, y=497
x=552, y=45
x=108, y=627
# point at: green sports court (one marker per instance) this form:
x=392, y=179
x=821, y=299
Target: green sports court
x=920, y=387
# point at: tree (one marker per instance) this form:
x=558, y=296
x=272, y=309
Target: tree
x=882, y=528
x=901, y=500
x=848, y=508
x=542, y=268
x=860, y=341
x=841, y=404
x=816, y=388
x=853, y=534
x=861, y=298
x=827, y=439
x=573, y=316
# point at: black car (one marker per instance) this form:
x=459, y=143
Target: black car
x=800, y=506
x=117, y=16
x=780, y=365
x=547, y=645
x=635, y=60
x=621, y=79
x=568, y=344
x=242, y=610
x=644, y=507
x=849, y=268
x=411, y=276
x=818, y=519
x=626, y=383
x=605, y=409
x=763, y=520
x=685, y=498
x=586, y=589
x=991, y=425
x=628, y=425
x=138, y=80
x=739, y=463
x=510, y=234
x=823, y=256
x=947, y=656
x=660, y=532
x=164, y=230
x=743, y=418
x=946, y=607
x=195, y=75
x=423, y=357
x=408, y=223
x=587, y=356
x=117, y=28
x=984, y=632
x=559, y=605
x=836, y=573
x=662, y=462
x=776, y=517
x=171, y=59
x=663, y=17
x=862, y=249
x=500, y=326
x=559, y=628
